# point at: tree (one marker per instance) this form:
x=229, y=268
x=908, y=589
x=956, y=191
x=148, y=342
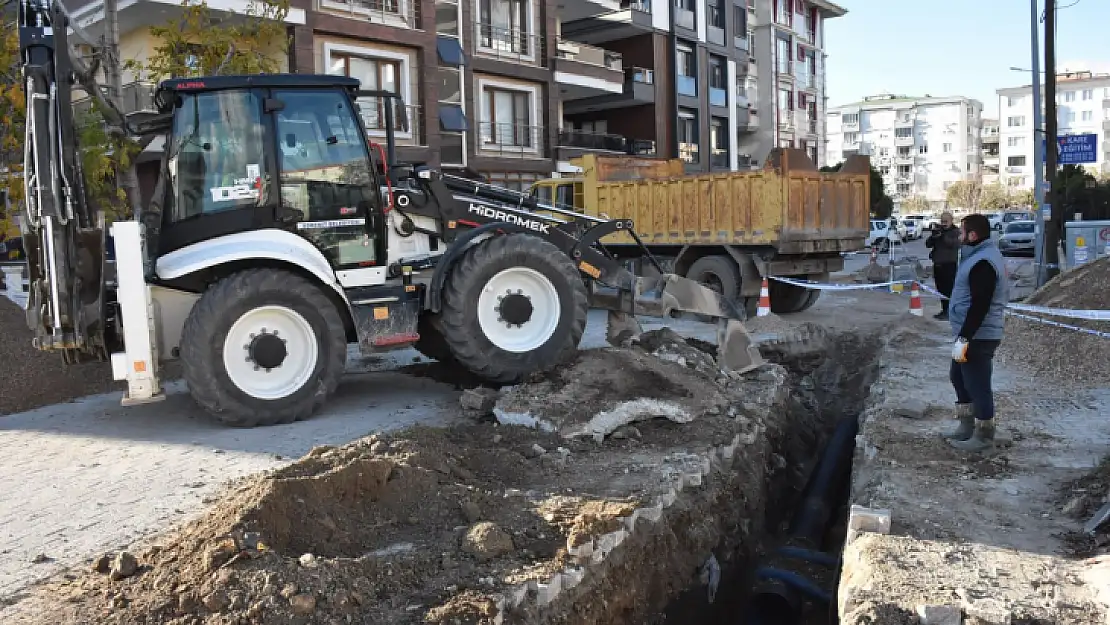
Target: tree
x=202, y=43
x=994, y=197
x=882, y=206
x=915, y=205
x=964, y=194
x=12, y=114
x=1021, y=197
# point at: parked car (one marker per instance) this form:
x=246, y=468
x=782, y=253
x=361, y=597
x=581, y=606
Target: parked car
x=913, y=229
x=995, y=220
x=1018, y=238
x=1011, y=216
x=882, y=235
x=897, y=225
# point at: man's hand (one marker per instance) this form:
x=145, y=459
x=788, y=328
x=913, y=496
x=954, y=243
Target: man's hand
x=959, y=350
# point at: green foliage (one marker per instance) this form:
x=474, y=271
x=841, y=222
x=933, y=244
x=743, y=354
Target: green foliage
x=994, y=197
x=12, y=116
x=1020, y=197
x=202, y=43
x=964, y=194
x=1081, y=192
x=104, y=158
x=881, y=204
x=915, y=205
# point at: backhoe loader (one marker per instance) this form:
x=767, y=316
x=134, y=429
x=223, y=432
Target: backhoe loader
x=278, y=234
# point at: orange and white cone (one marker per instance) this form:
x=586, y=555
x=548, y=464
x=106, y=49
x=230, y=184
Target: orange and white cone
x=764, y=300
x=915, y=301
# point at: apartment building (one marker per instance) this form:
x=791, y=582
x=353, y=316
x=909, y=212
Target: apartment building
x=1083, y=107
x=920, y=144
x=989, y=162
x=514, y=89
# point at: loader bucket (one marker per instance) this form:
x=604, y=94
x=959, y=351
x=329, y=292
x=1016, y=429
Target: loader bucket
x=659, y=296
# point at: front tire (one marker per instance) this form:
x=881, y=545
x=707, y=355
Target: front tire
x=513, y=305
x=263, y=347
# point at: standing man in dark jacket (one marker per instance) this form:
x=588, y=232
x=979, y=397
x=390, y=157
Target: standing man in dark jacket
x=977, y=315
x=945, y=245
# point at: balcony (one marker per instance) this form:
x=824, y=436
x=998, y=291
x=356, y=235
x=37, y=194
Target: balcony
x=746, y=119
x=718, y=158
x=585, y=9
x=851, y=145
x=631, y=19
x=135, y=97
x=904, y=140
x=583, y=71
x=741, y=42
x=718, y=96
x=849, y=126
x=507, y=140
x=902, y=122
x=509, y=44
x=638, y=89
x=683, y=18
x=811, y=126
x=687, y=85
x=398, y=13
x=903, y=159
x=715, y=24
x=575, y=143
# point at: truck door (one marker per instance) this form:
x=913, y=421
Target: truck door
x=330, y=192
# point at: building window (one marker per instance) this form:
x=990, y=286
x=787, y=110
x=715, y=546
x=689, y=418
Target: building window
x=850, y=119
x=718, y=77
x=1013, y=101
x=904, y=152
x=715, y=16
x=512, y=180
x=718, y=139
x=447, y=17
x=905, y=170
x=947, y=147
x=1088, y=94
x=1016, y=161
x=686, y=66
x=1069, y=96
x=923, y=148
x=684, y=14
x=1088, y=116
x=1067, y=117
x=851, y=138
x=398, y=13
x=784, y=57
x=688, y=135
x=783, y=13
x=903, y=133
x=504, y=27
x=507, y=118
x=1015, y=121
x=739, y=21
x=375, y=74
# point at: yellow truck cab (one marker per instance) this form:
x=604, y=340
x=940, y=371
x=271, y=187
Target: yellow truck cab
x=727, y=230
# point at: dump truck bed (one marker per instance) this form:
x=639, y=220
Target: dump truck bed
x=788, y=205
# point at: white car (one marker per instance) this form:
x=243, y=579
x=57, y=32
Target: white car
x=882, y=235
x=995, y=220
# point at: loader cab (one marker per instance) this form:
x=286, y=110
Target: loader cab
x=274, y=151
x=565, y=193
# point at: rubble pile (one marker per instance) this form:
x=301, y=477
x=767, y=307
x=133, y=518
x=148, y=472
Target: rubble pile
x=1064, y=354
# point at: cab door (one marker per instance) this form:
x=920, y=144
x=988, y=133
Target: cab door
x=329, y=189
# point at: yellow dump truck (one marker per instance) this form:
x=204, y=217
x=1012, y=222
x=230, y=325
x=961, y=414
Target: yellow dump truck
x=727, y=230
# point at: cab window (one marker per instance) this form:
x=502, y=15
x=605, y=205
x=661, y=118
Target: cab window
x=217, y=159
x=542, y=194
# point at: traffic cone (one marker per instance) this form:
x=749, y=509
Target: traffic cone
x=915, y=301
x=764, y=300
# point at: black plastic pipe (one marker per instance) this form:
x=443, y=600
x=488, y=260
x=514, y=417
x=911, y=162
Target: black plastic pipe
x=778, y=597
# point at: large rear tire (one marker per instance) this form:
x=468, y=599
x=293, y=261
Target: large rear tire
x=262, y=347
x=431, y=343
x=513, y=305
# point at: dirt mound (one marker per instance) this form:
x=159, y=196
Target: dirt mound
x=30, y=378
x=1063, y=354
x=432, y=525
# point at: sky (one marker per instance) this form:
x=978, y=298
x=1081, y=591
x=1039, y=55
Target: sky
x=954, y=47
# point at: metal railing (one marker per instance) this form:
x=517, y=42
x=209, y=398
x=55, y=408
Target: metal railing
x=397, y=12
x=687, y=85
x=641, y=75
x=718, y=157
x=683, y=17
x=507, y=139
x=741, y=42
x=590, y=55
x=135, y=96
x=509, y=44
x=372, y=112
x=718, y=96
x=599, y=141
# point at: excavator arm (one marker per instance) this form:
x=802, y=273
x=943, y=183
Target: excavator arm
x=63, y=235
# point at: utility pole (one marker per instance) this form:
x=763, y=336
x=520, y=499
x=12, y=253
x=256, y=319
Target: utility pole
x=1052, y=228
x=1038, y=155
x=113, y=73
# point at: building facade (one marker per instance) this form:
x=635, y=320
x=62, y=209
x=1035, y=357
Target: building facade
x=1083, y=107
x=989, y=162
x=514, y=89
x=921, y=145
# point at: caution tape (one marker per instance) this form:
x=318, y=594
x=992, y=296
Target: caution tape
x=1066, y=326
x=1070, y=313
x=823, y=286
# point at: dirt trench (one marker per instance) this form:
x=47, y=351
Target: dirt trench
x=490, y=523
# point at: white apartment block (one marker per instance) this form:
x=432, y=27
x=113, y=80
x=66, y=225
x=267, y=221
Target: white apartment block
x=921, y=145
x=786, y=82
x=989, y=139
x=1083, y=107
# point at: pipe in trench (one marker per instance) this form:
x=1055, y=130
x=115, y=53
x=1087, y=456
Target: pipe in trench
x=779, y=596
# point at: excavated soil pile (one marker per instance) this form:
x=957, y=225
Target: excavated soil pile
x=30, y=378
x=1060, y=353
x=437, y=526
x=1081, y=500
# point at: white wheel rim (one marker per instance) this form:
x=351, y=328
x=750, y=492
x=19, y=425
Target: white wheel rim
x=546, y=311
x=302, y=352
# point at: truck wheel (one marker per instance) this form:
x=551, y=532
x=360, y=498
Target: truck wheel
x=719, y=273
x=431, y=343
x=261, y=347
x=787, y=298
x=513, y=305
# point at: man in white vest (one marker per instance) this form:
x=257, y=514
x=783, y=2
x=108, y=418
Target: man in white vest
x=976, y=314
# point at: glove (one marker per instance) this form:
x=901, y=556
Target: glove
x=959, y=350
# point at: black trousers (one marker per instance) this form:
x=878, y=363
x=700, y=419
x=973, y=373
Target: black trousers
x=944, y=275
x=972, y=379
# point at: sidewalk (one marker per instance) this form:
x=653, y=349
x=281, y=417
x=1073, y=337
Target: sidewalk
x=985, y=534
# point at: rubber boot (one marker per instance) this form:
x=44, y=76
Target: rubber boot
x=981, y=440
x=965, y=414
